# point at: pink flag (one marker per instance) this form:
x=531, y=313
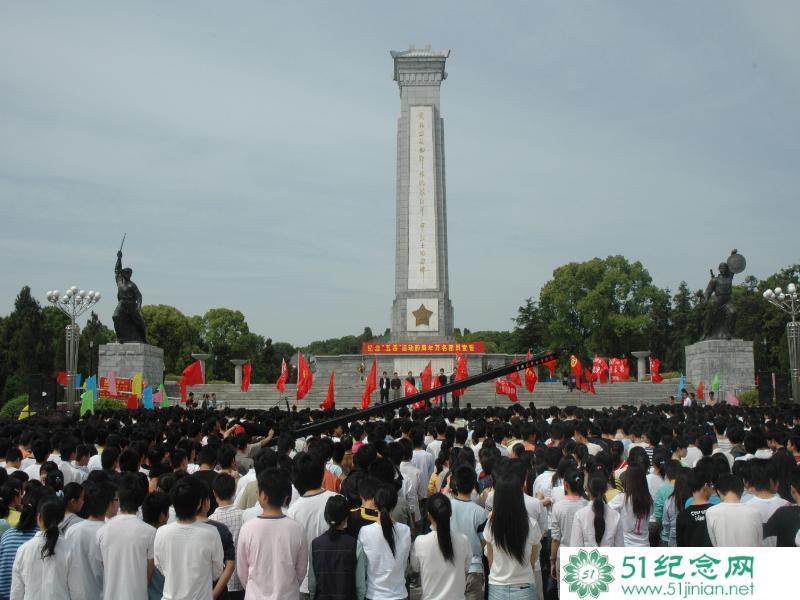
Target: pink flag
x=731, y=399
x=112, y=383
x=157, y=397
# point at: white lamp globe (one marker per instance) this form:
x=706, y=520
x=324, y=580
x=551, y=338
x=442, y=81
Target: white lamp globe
x=767, y=294
x=74, y=288
x=97, y=296
x=64, y=298
x=82, y=293
x=91, y=294
x=778, y=291
x=791, y=288
x=69, y=293
x=55, y=293
x=781, y=296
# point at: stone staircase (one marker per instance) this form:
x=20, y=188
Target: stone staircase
x=265, y=396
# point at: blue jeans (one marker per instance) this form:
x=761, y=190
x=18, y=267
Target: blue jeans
x=525, y=591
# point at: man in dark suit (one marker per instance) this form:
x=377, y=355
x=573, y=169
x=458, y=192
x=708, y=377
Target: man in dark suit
x=396, y=385
x=441, y=379
x=383, y=386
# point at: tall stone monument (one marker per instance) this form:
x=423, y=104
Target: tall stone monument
x=421, y=310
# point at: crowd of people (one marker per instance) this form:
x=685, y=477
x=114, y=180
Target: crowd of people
x=460, y=503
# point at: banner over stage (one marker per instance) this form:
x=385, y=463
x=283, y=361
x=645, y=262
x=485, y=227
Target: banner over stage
x=428, y=348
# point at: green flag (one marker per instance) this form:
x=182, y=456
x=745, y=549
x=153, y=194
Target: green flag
x=715, y=383
x=87, y=402
x=164, y=397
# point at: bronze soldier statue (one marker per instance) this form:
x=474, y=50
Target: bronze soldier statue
x=128, y=318
x=720, y=321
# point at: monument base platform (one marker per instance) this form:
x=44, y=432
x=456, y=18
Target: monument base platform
x=131, y=358
x=732, y=359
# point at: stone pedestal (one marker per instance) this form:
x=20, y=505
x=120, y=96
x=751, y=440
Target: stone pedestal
x=732, y=359
x=131, y=358
x=237, y=370
x=202, y=357
x=641, y=365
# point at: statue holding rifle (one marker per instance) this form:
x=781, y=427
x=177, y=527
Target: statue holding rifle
x=128, y=318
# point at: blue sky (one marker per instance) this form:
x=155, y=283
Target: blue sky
x=248, y=149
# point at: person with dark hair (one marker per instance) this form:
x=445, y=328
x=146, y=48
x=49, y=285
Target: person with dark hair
x=272, y=553
x=731, y=523
x=126, y=544
x=224, y=489
x=309, y=508
x=635, y=507
x=86, y=576
x=15, y=537
x=189, y=553
x=690, y=526
x=208, y=461
x=73, y=500
x=43, y=564
x=386, y=546
x=247, y=487
x=41, y=452
x=765, y=500
x=512, y=543
x=596, y=525
x=784, y=523
x=337, y=566
x=220, y=585
x=10, y=502
x=469, y=519
x=442, y=557
x=562, y=516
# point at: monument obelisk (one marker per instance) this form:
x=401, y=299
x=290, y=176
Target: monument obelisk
x=421, y=310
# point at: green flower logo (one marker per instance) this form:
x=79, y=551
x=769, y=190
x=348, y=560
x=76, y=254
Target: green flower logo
x=588, y=573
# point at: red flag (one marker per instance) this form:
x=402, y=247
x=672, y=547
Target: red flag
x=626, y=369
x=370, y=385
x=193, y=374
x=616, y=369
x=62, y=378
x=655, y=371
x=504, y=387
x=576, y=367
x=281, y=383
x=426, y=377
x=184, y=394
x=330, y=397
x=514, y=376
x=410, y=390
x=530, y=375
x=599, y=370
x=585, y=383
x=304, y=377
x=461, y=373
x=701, y=391
x=247, y=369
x=551, y=365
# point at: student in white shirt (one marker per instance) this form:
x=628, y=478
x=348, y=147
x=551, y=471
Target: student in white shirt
x=126, y=544
x=469, y=519
x=441, y=557
x=386, y=546
x=731, y=523
x=86, y=575
x=188, y=552
x=512, y=543
x=596, y=525
x=761, y=477
x=42, y=564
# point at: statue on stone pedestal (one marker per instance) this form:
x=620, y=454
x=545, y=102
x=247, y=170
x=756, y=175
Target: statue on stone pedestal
x=128, y=318
x=720, y=321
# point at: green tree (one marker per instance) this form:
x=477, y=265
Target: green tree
x=226, y=335
x=92, y=335
x=530, y=330
x=175, y=333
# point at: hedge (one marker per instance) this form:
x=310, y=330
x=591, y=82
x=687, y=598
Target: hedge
x=12, y=408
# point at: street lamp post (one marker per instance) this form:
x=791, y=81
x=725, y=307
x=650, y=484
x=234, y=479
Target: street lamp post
x=788, y=302
x=73, y=303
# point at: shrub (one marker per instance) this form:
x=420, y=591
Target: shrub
x=12, y=408
x=109, y=404
x=748, y=398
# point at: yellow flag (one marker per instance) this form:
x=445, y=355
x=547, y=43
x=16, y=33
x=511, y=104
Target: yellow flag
x=25, y=413
x=136, y=385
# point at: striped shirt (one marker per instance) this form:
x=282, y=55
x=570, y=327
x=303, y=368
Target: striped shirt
x=231, y=517
x=9, y=544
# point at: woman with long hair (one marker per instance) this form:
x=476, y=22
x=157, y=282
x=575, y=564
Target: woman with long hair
x=9, y=506
x=512, y=543
x=336, y=566
x=73, y=504
x=12, y=539
x=596, y=525
x=675, y=503
x=635, y=507
x=386, y=547
x=442, y=557
x=42, y=564
x=562, y=516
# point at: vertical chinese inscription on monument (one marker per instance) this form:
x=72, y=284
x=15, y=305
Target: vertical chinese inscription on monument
x=422, y=254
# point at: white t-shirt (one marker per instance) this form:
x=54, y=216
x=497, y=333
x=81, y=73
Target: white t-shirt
x=309, y=511
x=635, y=529
x=766, y=507
x=190, y=556
x=386, y=578
x=86, y=574
x=440, y=578
x=35, y=577
x=505, y=569
x=126, y=544
x=732, y=524
x=583, y=534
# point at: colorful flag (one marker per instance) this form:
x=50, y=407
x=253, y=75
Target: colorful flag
x=158, y=397
x=585, y=383
x=305, y=379
x=281, y=383
x=530, y=375
x=599, y=370
x=426, y=377
x=147, y=398
x=193, y=374
x=62, y=378
x=370, y=385
x=330, y=397
x=247, y=369
x=78, y=378
x=576, y=367
x=655, y=370
x=731, y=399
x=112, y=383
x=701, y=390
x=409, y=388
x=87, y=402
x=25, y=413
x=514, y=376
x=681, y=384
x=164, y=398
x=184, y=395
x=504, y=387
x=136, y=385
x=716, y=383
